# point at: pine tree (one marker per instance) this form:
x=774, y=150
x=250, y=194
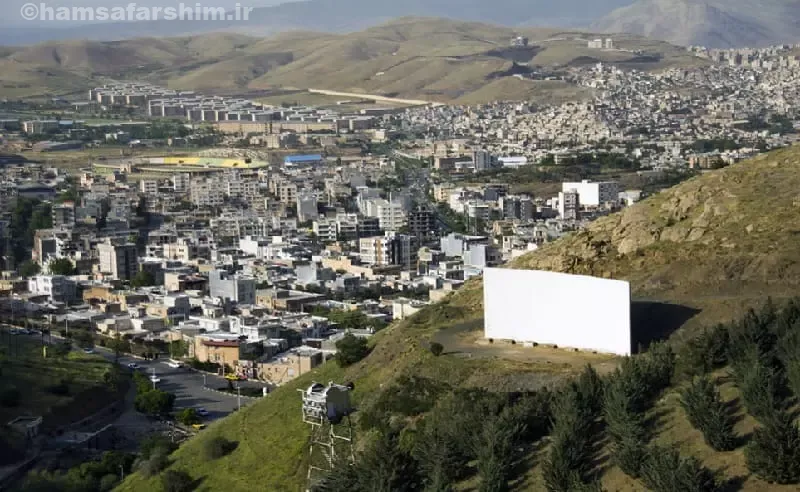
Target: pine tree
x=774, y=452
x=665, y=470
x=758, y=381
x=572, y=439
x=707, y=412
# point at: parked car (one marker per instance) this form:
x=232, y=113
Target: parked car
x=155, y=379
x=88, y=350
x=198, y=426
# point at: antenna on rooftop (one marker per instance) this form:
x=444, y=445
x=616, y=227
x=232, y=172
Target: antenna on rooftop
x=326, y=408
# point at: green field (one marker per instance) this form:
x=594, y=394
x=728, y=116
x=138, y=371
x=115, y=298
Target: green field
x=61, y=389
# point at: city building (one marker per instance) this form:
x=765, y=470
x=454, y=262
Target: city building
x=237, y=288
x=118, y=260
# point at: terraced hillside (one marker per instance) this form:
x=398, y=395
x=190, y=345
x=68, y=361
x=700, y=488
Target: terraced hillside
x=715, y=245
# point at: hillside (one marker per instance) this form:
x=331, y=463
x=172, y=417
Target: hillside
x=716, y=244
x=338, y=16
x=431, y=59
x=711, y=23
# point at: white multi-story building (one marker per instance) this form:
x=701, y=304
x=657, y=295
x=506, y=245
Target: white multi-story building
x=57, y=288
x=390, y=249
x=206, y=192
x=181, y=182
x=325, y=229
x=306, y=207
x=594, y=194
x=119, y=260
x=568, y=205
x=391, y=215
x=148, y=186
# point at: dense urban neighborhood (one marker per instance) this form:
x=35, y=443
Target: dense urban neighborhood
x=218, y=247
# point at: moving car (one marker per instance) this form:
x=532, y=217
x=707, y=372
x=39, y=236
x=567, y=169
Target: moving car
x=202, y=412
x=155, y=379
x=133, y=365
x=88, y=350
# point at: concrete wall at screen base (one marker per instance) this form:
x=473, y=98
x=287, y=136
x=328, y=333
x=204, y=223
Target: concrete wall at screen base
x=549, y=308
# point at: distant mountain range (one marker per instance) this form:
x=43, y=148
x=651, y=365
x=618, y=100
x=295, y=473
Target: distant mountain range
x=337, y=16
x=712, y=23
x=412, y=57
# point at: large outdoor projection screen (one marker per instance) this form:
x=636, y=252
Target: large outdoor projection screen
x=573, y=311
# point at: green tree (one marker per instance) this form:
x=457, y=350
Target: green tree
x=155, y=402
x=120, y=346
x=573, y=436
x=625, y=426
x=188, y=416
x=774, y=451
x=29, y=269
x=218, y=447
x=436, y=349
x=665, y=470
x=143, y=279
x=708, y=413
x=61, y=266
x=495, y=451
x=177, y=481
x=758, y=381
x=83, y=338
x=351, y=349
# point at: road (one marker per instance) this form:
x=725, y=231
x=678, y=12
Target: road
x=189, y=386
x=374, y=97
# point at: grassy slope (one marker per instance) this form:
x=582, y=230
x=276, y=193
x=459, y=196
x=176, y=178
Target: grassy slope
x=421, y=58
x=24, y=367
x=722, y=271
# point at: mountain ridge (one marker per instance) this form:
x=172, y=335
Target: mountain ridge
x=419, y=58
x=711, y=23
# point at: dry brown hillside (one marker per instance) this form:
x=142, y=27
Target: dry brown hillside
x=433, y=59
x=717, y=243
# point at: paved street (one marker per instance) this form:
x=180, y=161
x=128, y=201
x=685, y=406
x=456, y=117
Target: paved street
x=188, y=386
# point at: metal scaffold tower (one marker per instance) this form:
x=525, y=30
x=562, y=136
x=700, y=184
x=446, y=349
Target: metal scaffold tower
x=327, y=410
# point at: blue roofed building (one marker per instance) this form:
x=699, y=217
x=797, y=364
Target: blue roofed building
x=303, y=160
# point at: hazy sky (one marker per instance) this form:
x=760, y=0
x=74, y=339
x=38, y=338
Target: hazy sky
x=10, y=9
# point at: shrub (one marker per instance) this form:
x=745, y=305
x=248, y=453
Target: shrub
x=218, y=447
x=573, y=436
x=491, y=340
x=495, y=451
x=625, y=426
x=706, y=352
x=10, y=397
x=154, y=464
x=156, y=443
x=437, y=349
x=188, y=416
x=177, y=481
x=60, y=389
x=760, y=384
x=774, y=451
x=664, y=470
x=350, y=350
x=707, y=413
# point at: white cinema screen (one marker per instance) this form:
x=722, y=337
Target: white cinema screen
x=549, y=308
